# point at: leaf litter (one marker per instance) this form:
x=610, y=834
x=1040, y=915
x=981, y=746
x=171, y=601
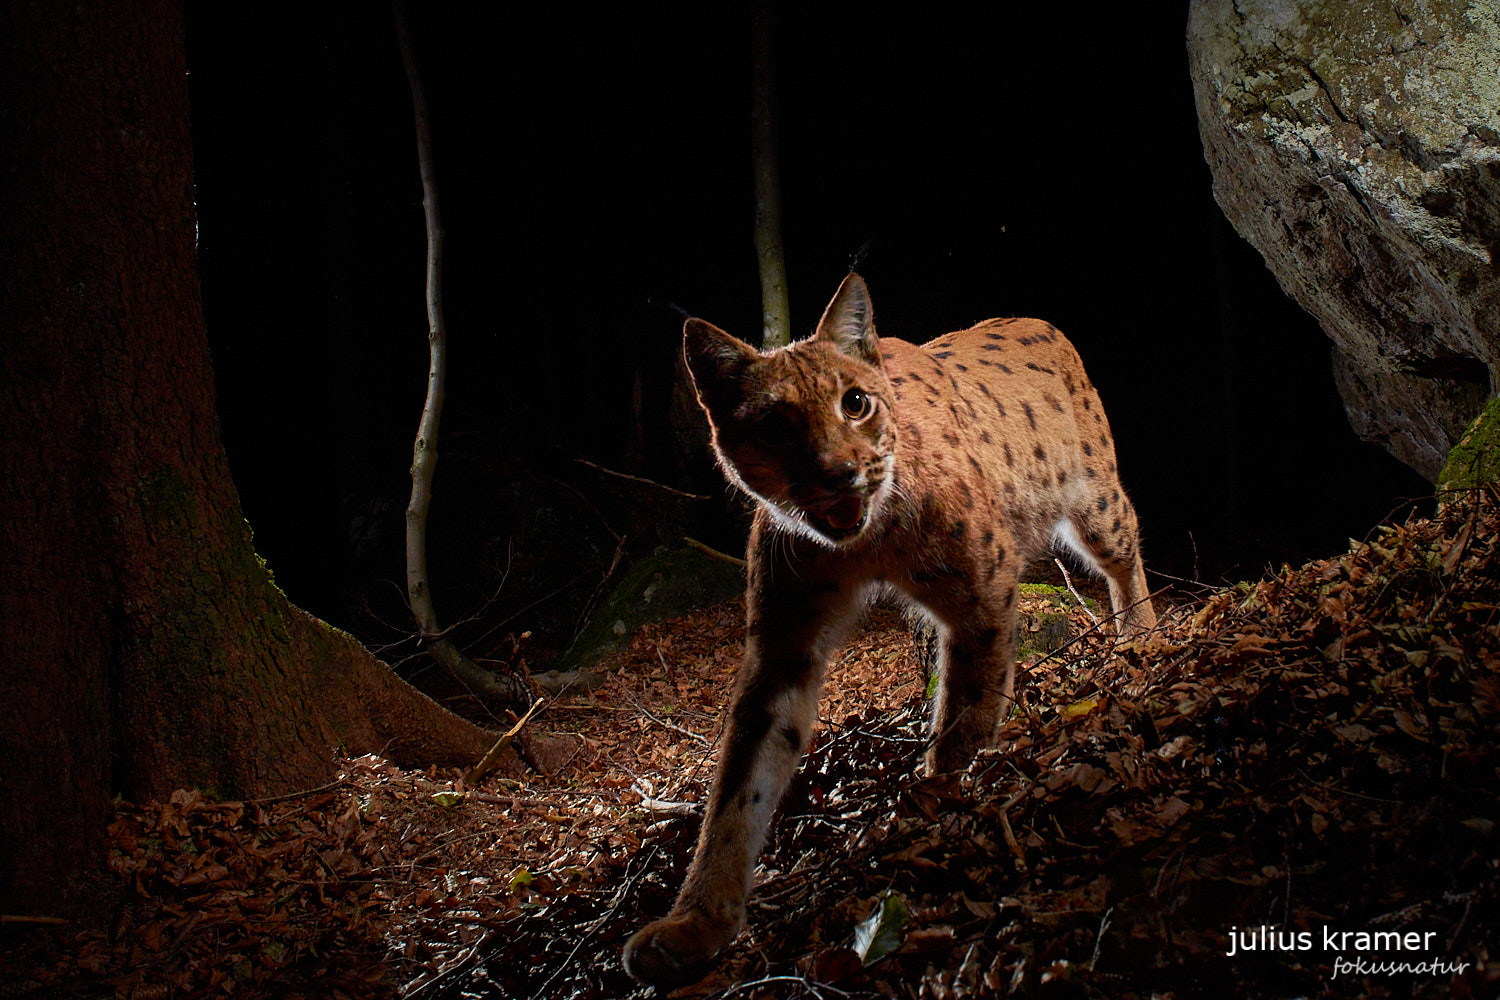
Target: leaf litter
x=1313, y=753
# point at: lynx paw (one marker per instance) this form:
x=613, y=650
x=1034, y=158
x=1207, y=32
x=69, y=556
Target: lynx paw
x=676, y=950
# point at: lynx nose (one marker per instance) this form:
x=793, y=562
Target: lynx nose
x=842, y=473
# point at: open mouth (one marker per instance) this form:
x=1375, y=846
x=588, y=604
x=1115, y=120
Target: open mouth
x=841, y=519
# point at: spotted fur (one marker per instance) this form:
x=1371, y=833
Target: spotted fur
x=938, y=471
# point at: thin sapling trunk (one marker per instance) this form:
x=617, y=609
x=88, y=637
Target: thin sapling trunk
x=504, y=690
x=775, y=310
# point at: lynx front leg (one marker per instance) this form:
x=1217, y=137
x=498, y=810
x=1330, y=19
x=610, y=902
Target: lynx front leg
x=794, y=625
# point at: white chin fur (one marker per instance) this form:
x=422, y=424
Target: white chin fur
x=794, y=522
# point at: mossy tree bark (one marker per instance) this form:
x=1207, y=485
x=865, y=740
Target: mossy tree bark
x=144, y=645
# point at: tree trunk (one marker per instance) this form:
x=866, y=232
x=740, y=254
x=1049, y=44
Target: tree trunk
x=776, y=322
x=144, y=644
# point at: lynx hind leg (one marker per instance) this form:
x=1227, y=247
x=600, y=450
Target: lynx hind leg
x=976, y=688
x=1104, y=535
x=976, y=662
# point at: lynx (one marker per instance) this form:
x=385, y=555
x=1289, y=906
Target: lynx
x=938, y=471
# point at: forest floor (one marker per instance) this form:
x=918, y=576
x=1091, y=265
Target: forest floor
x=1288, y=789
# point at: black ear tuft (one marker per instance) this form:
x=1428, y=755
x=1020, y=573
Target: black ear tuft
x=849, y=322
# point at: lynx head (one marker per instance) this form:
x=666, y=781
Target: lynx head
x=806, y=429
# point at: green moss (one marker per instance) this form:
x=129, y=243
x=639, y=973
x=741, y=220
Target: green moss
x=1044, y=629
x=1475, y=460
x=666, y=584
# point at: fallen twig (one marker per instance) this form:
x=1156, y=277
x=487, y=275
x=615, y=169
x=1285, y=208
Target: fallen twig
x=1068, y=579
x=693, y=543
x=488, y=760
x=26, y=918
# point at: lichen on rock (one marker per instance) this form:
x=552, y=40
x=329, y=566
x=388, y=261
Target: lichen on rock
x=1356, y=145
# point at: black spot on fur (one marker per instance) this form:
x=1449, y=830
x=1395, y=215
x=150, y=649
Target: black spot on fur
x=989, y=538
x=960, y=367
x=993, y=347
x=1000, y=556
x=752, y=720
x=984, y=361
x=1088, y=449
x=1040, y=368
x=914, y=434
x=968, y=495
x=977, y=467
x=1009, y=459
x=1030, y=416
x=943, y=354
x=898, y=380
x=1025, y=341
x=958, y=530
x=1086, y=404
x=985, y=638
x=932, y=574
x=995, y=336
x=951, y=439
x=1006, y=370
x=1116, y=526
x=1103, y=504
x=984, y=436
x=1055, y=404
x=914, y=376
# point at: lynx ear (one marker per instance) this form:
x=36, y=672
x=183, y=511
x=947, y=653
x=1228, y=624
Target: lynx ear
x=849, y=322
x=715, y=360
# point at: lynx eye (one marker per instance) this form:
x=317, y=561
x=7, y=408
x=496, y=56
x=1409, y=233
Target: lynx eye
x=857, y=404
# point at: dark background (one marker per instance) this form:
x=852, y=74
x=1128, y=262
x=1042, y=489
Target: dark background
x=593, y=161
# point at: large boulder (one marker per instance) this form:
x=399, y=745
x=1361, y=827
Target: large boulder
x=1356, y=145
